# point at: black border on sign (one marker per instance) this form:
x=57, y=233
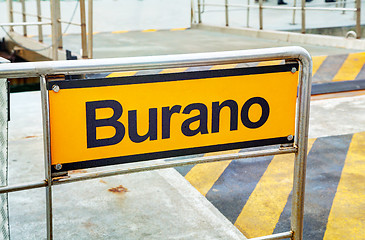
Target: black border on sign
x=168, y=77
x=172, y=153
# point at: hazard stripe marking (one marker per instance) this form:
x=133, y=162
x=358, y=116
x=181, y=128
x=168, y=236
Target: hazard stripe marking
x=347, y=216
x=203, y=176
x=329, y=68
x=233, y=188
x=324, y=166
x=317, y=61
x=263, y=208
x=351, y=67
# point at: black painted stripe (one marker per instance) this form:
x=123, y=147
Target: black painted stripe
x=231, y=191
x=324, y=166
x=167, y=154
x=67, y=84
x=329, y=68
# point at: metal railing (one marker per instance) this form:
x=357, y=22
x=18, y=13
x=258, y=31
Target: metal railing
x=55, y=22
x=297, y=54
x=303, y=8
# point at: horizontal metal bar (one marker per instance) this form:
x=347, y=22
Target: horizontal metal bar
x=48, y=18
x=275, y=236
x=21, y=187
x=32, y=15
x=156, y=166
x=331, y=9
x=35, y=69
x=71, y=23
x=24, y=24
x=309, y=8
x=175, y=163
x=286, y=8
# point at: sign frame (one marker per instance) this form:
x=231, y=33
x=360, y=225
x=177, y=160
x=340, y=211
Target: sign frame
x=288, y=54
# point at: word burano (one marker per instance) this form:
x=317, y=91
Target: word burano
x=167, y=113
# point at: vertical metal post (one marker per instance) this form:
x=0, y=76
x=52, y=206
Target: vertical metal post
x=301, y=141
x=294, y=11
x=260, y=15
x=4, y=117
x=303, y=16
x=24, y=15
x=226, y=10
x=59, y=25
x=11, y=14
x=199, y=13
x=248, y=14
x=83, y=29
x=90, y=28
x=39, y=17
x=47, y=155
x=358, y=19
x=55, y=36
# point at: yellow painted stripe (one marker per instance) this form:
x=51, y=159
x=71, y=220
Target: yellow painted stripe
x=263, y=208
x=224, y=66
x=173, y=70
x=268, y=63
x=121, y=31
x=317, y=61
x=347, y=216
x=121, y=74
x=178, y=29
x=150, y=30
x=351, y=67
x=203, y=176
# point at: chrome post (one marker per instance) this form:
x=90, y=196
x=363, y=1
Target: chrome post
x=83, y=29
x=24, y=17
x=58, y=23
x=294, y=11
x=90, y=29
x=226, y=11
x=55, y=36
x=10, y=12
x=303, y=16
x=199, y=13
x=248, y=14
x=47, y=155
x=358, y=18
x=260, y=15
x=301, y=141
x=39, y=17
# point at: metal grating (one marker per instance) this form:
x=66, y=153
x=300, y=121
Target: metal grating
x=4, y=218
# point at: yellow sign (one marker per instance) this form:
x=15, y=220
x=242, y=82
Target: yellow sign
x=98, y=122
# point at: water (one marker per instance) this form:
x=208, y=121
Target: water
x=112, y=15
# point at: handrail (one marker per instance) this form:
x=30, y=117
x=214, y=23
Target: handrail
x=55, y=22
x=302, y=8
